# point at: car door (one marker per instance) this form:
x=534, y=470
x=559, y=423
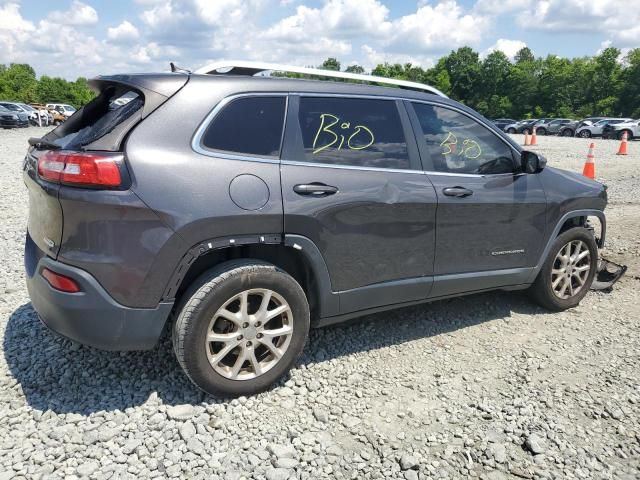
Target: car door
x=490, y=220
x=352, y=183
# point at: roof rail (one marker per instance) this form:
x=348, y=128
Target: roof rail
x=252, y=68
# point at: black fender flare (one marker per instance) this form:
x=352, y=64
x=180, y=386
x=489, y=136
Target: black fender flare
x=558, y=227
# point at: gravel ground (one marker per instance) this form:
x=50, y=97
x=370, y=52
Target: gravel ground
x=487, y=386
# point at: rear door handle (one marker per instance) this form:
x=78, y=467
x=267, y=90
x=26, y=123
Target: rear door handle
x=459, y=192
x=315, y=189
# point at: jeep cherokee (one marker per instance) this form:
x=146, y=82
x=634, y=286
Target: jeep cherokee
x=241, y=210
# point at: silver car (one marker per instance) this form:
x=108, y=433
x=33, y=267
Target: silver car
x=595, y=130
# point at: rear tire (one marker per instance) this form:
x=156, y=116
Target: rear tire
x=566, y=270
x=511, y=130
x=567, y=132
x=541, y=131
x=224, y=337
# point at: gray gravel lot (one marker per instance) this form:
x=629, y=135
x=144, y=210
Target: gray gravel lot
x=487, y=386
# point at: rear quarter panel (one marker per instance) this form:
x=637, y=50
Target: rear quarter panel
x=189, y=191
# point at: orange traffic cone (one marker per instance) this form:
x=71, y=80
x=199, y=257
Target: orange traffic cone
x=589, y=169
x=534, y=138
x=623, y=145
x=526, y=139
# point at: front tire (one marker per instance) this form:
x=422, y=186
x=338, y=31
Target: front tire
x=242, y=326
x=511, y=130
x=541, y=131
x=568, y=271
x=584, y=134
x=629, y=135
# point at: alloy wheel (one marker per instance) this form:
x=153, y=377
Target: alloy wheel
x=249, y=334
x=570, y=269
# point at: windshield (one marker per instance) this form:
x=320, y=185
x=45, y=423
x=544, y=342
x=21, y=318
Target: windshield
x=13, y=108
x=68, y=108
x=27, y=107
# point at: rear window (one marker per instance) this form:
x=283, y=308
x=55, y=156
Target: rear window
x=100, y=117
x=248, y=125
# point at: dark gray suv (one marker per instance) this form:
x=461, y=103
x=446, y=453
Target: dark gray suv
x=242, y=210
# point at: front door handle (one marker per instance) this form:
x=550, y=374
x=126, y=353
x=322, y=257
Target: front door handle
x=315, y=189
x=459, y=192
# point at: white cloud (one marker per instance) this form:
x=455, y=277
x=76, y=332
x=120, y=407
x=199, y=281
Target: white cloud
x=14, y=31
x=499, y=7
x=611, y=17
x=506, y=46
x=79, y=14
x=373, y=57
x=438, y=28
x=125, y=31
x=337, y=18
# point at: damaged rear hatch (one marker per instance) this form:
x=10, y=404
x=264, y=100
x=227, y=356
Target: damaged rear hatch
x=102, y=125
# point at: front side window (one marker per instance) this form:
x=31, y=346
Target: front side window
x=353, y=131
x=458, y=144
x=248, y=125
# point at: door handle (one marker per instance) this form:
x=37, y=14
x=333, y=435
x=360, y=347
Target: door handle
x=315, y=189
x=459, y=192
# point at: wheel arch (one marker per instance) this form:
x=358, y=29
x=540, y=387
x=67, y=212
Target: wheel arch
x=297, y=255
x=575, y=218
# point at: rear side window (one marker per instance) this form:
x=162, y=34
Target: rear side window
x=458, y=144
x=248, y=125
x=100, y=117
x=353, y=131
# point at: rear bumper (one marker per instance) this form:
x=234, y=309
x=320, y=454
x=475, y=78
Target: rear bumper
x=91, y=316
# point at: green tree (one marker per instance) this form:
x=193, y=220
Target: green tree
x=463, y=67
x=331, y=64
x=354, y=69
x=18, y=83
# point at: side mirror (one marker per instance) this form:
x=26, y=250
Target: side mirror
x=532, y=162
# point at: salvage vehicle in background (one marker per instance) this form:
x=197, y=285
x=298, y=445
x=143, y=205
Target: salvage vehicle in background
x=501, y=123
x=62, y=108
x=523, y=126
x=617, y=130
x=23, y=116
x=569, y=129
x=554, y=126
x=597, y=128
x=542, y=125
x=10, y=119
x=45, y=114
x=243, y=233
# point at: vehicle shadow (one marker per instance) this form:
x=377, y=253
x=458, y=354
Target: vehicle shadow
x=58, y=375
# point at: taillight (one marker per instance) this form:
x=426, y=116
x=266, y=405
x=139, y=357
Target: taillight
x=79, y=168
x=60, y=282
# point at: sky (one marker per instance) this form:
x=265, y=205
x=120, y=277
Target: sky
x=71, y=38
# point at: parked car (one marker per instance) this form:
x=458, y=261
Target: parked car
x=569, y=129
x=62, y=108
x=617, y=130
x=9, y=119
x=23, y=117
x=523, y=126
x=542, y=125
x=44, y=113
x=595, y=130
x=501, y=123
x=251, y=233
x=554, y=126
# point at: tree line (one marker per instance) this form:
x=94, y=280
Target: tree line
x=18, y=83
x=606, y=84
